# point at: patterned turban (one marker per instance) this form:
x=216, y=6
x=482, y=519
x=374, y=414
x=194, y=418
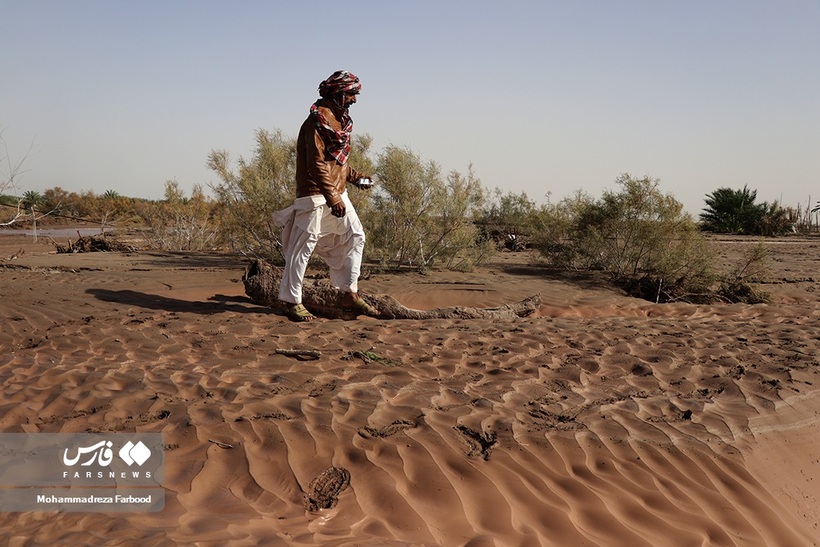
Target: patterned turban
x=340, y=81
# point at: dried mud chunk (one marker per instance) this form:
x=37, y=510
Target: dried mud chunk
x=324, y=490
x=480, y=443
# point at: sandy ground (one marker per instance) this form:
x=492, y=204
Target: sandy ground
x=601, y=420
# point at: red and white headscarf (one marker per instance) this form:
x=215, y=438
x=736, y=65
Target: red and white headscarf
x=340, y=81
x=337, y=143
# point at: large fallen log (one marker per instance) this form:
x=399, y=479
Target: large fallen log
x=262, y=280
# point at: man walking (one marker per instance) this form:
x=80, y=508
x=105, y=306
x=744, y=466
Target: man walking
x=322, y=219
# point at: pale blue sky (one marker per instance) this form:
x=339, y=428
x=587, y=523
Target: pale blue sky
x=540, y=96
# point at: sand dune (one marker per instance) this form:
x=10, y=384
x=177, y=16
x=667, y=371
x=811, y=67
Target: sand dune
x=602, y=420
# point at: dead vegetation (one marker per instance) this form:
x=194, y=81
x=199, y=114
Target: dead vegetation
x=94, y=244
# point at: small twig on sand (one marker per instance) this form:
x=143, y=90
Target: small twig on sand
x=16, y=255
x=309, y=353
x=220, y=444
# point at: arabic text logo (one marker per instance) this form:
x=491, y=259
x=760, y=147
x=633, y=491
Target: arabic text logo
x=101, y=452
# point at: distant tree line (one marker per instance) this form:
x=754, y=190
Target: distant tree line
x=419, y=217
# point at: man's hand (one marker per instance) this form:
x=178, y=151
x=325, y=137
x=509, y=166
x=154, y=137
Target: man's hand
x=365, y=183
x=338, y=210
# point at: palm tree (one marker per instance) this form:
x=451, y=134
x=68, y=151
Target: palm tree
x=32, y=199
x=732, y=211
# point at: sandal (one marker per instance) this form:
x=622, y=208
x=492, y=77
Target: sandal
x=298, y=313
x=360, y=307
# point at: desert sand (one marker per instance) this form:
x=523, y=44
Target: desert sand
x=599, y=420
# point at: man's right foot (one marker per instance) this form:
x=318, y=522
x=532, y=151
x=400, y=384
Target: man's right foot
x=360, y=307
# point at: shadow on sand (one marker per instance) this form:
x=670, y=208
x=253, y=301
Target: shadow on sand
x=215, y=304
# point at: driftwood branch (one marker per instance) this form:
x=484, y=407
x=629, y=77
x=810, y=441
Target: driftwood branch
x=262, y=280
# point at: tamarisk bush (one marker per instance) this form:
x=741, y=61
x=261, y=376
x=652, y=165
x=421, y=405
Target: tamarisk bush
x=420, y=218
x=639, y=236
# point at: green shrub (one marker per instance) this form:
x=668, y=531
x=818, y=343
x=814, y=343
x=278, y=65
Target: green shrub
x=422, y=219
x=182, y=224
x=249, y=195
x=508, y=220
x=640, y=237
x=737, y=284
x=775, y=220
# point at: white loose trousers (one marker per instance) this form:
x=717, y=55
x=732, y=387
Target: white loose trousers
x=309, y=226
